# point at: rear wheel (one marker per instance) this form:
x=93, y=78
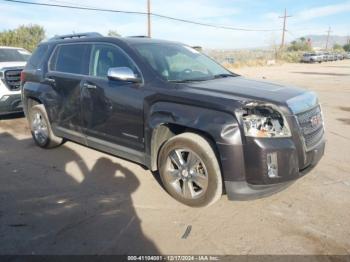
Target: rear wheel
x=41, y=128
x=190, y=171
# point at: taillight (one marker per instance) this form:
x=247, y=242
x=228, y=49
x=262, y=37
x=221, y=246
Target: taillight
x=22, y=77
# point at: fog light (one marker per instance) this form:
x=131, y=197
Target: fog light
x=4, y=98
x=272, y=165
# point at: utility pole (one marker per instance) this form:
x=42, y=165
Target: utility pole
x=149, y=18
x=284, y=26
x=328, y=34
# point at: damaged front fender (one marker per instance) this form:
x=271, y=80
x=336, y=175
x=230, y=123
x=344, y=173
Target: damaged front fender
x=221, y=127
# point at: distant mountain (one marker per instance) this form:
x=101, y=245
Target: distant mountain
x=320, y=40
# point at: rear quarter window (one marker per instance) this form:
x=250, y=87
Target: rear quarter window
x=37, y=58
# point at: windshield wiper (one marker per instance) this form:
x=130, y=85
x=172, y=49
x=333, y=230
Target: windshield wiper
x=223, y=75
x=188, y=80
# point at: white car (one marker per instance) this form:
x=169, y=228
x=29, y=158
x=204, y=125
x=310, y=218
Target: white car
x=12, y=61
x=312, y=58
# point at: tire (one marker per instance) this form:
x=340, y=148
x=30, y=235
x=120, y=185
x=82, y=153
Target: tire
x=197, y=163
x=41, y=129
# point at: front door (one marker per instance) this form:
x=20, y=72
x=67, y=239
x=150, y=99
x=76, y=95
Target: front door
x=112, y=110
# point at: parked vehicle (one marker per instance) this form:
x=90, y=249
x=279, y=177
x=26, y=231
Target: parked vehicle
x=340, y=56
x=329, y=56
x=173, y=110
x=324, y=56
x=347, y=55
x=335, y=57
x=12, y=61
x=312, y=58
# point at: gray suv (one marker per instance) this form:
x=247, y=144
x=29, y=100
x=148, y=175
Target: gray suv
x=177, y=112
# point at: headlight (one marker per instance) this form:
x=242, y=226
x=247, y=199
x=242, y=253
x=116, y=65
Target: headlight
x=264, y=121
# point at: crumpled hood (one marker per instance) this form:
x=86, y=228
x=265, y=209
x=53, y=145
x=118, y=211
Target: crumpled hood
x=249, y=88
x=12, y=64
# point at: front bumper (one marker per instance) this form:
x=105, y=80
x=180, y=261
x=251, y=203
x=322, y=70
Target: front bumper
x=10, y=105
x=257, y=183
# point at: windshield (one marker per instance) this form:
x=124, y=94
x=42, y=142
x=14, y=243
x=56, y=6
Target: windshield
x=180, y=63
x=13, y=55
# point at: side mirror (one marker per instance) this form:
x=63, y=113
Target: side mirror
x=122, y=74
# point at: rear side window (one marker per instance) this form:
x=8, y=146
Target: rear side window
x=37, y=59
x=71, y=58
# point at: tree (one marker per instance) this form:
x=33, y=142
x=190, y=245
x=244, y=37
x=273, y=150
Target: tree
x=113, y=33
x=299, y=45
x=347, y=47
x=337, y=47
x=27, y=37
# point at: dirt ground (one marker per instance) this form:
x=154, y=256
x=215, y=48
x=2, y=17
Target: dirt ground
x=75, y=200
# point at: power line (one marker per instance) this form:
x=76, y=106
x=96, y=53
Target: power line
x=284, y=30
x=70, y=3
x=142, y=13
x=75, y=7
x=215, y=26
x=291, y=33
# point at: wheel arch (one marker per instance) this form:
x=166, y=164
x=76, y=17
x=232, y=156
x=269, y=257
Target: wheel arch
x=167, y=119
x=30, y=101
x=164, y=131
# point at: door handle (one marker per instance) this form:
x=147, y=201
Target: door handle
x=50, y=80
x=89, y=86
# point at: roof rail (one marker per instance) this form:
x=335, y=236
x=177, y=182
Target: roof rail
x=73, y=36
x=139, y=36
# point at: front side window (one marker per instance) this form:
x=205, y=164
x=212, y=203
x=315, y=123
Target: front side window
x=176, y=62
x=105, y=56
x=70, y=58
x=13, y=55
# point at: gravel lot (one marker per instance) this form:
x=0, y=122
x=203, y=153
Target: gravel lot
x=74, y=200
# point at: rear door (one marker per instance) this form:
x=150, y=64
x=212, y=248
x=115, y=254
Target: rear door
x=68, y=67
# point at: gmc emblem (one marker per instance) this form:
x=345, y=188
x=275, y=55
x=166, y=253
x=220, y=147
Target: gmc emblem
x=316, y=120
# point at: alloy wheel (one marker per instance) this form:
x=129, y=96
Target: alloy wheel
x=39, y=128
x=187, y=174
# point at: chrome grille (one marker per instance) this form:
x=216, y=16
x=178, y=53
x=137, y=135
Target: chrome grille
x=311, y=124
x=12, y=79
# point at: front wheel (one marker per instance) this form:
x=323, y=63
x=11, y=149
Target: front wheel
x=41, y=128
x=190, y=171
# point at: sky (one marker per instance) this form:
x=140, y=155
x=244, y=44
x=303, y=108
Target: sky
x=308, y=17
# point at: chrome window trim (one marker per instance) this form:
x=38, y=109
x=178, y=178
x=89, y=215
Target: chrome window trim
x=88, y=75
